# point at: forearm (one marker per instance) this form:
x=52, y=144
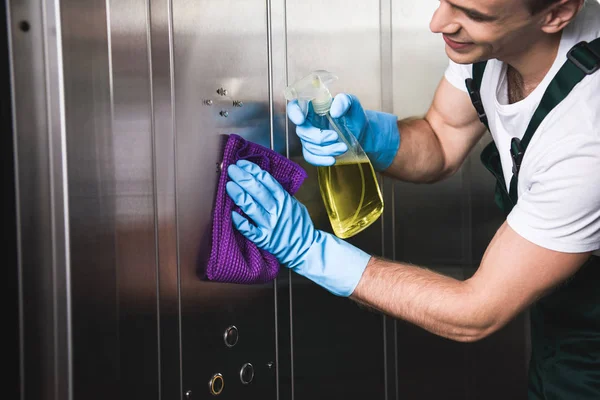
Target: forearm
x=420, y=157
x=437, y=303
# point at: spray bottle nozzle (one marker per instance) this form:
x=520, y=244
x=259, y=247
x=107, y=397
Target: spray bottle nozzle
x=313, y=87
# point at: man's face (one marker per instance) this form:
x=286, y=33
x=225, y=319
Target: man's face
x=477, y=30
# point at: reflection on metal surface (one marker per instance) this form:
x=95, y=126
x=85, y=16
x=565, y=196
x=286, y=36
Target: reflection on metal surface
x=218, y=62
x=420, y=220
x=327, y=40
x=216, y=384
x=247, y=374
x=42, y=199
x=111, y=242
x=164, y=124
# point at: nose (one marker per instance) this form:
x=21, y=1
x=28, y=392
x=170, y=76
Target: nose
x=443, y=20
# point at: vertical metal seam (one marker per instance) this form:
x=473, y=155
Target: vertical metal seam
x=66, y=204
x=270, y=70
x=176, y=195
x=275, y=300
x=386, y=60
x=286, y=74
x=54, y=196
x=381, y=183
x=111, y=85
x=50, y=176
x=269, y=15
x=287, y=153
x=394, y=257
x=17, y=200
x=154, y=187
x=393, y=188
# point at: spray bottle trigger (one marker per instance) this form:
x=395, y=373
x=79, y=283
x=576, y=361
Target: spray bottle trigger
x=326, y=77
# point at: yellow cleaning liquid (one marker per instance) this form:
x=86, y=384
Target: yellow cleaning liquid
x=351, y=195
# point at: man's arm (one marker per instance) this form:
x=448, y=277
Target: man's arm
x=433, y=148
x=513, y=274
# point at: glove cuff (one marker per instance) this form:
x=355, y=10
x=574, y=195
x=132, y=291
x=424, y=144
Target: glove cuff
x=383, y=144
x=332, y=263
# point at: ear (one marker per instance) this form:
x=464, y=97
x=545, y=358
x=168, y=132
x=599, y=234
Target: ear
x=560, y=14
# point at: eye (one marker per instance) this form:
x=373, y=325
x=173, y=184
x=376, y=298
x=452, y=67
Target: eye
x=475, y=17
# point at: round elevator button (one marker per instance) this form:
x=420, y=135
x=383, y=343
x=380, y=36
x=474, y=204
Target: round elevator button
x=216, y=384
x=231, y=336
x=247, y=373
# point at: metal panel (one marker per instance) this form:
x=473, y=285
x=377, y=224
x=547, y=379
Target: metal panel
x=12, y=357
x=338, y=347
x=430, y=220
x=86, y=230
x=92, y=198
x=41, y=201
x=283, y=292
x=131, y=145
x=445, y=226
x=388, y=220
x=117, y=176
x=164, y=184
x=419, y=64
x=111, y=194
x=219, y=45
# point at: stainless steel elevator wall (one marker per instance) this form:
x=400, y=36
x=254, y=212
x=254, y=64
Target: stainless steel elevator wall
x=121, y=111
x=217, y=47
x=346, y=41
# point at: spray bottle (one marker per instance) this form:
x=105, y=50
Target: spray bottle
x=349, y=188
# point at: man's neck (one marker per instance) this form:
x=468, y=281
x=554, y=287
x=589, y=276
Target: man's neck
x=527, y=69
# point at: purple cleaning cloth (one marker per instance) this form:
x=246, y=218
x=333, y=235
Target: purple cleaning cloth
x=233, y=258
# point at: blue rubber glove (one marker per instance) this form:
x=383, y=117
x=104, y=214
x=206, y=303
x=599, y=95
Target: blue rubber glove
x=379, y=138
x=282, y=226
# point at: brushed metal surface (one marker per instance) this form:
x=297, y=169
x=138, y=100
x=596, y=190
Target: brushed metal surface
x=277, y=23
x=446, y=226
x=131, y=145
x=429, y=218
x=42, y=204
x=346, y=41
x=219, y=45
x=104, y=209
x=12, y=357
x=161, y=49
x=390, y=325
x=117, y=167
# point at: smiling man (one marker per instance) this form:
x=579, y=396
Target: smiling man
x=527, y=71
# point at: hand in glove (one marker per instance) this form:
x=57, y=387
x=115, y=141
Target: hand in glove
x=377, y=132
x=281, y=225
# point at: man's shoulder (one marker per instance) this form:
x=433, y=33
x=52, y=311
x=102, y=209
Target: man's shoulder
x=579, y=111
x=457, y=73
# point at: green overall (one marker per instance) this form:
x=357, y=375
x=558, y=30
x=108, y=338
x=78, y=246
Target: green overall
x=565, y=325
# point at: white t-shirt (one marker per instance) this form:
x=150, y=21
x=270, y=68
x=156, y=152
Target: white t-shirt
x=558, y=204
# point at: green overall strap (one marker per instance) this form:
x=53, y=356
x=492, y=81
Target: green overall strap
x=473, y=88
x=582, y=60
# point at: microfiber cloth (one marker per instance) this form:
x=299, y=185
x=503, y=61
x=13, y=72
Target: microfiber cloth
x=233, y=258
